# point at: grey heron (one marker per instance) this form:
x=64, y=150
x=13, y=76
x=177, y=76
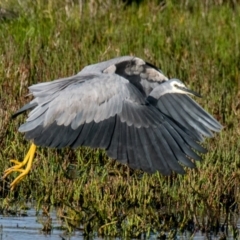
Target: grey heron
x=124, y=105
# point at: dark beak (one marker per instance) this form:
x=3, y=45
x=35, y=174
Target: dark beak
x=189, y=91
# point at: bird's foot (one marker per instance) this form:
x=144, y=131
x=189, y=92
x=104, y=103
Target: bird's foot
x=18, y=167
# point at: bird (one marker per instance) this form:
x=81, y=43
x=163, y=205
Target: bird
x=124, y=105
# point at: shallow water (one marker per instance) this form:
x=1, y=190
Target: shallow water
x=29, y=227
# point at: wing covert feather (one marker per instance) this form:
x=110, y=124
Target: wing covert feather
x=82, y=101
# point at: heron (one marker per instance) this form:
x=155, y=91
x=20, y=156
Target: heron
x=126, y=106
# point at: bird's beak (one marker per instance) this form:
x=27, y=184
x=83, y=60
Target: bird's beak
x=187, y=90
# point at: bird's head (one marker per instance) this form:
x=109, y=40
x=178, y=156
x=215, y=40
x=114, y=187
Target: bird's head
x=179, y=87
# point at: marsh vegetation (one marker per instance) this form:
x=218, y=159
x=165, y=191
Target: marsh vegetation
x=195, y=41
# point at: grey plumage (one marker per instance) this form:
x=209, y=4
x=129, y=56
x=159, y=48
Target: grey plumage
x=126, y=106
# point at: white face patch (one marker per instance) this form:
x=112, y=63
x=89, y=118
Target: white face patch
x=173, y=83
x=168, y=87
x=111, y=69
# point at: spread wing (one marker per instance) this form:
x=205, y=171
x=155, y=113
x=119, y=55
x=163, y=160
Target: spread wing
x=107, y=111
x=185, y=111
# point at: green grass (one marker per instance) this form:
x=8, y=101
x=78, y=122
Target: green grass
x=197, y=42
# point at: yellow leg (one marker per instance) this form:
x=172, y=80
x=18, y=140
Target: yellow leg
x=18, y=167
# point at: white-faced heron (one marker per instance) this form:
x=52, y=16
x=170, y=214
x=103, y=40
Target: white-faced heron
x=125, y=106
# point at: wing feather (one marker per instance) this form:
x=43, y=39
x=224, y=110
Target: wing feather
x=194, y=109
x=178, y=153
x=122, y=140
x=178, y=113
x=149, y=147
x=160, y=163
x=184, y=110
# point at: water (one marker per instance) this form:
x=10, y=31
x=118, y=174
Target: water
x=30, y=228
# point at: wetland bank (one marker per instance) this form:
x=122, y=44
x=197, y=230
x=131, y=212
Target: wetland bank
x=198, y=42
